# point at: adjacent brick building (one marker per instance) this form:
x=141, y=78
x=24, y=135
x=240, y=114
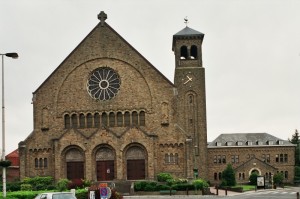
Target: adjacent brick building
x=106, y=113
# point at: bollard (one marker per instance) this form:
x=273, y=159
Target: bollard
x=226, y=191
x=187, y=191
x=217, y=190
x=297, y=195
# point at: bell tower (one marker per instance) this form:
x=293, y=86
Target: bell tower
x=191, y=100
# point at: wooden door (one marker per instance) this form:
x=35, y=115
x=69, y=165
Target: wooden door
x=136, y=169
x=105, y=170
x=75, y=170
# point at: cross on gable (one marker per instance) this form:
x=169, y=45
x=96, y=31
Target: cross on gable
x=102, y=17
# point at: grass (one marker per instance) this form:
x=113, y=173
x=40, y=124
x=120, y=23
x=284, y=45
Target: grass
x=246, y=187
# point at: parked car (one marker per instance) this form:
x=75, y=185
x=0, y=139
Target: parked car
x=56, y=195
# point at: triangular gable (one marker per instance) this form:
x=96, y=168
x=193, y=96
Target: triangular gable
x=83, y=41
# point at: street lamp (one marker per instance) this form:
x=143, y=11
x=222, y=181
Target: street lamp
x=14, y=56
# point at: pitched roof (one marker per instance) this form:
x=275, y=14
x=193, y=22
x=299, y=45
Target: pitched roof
x=248, y=139
x=187, y=31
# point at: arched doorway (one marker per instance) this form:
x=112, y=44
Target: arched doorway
x=75, y=164
x=136, y=164
x=105, y=161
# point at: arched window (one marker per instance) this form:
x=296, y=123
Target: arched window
x=119, y=119
x=134, y=118
x=142, y=118
x=127, y=119
x=36, y=163
x=89, y=120
x=183, y=52
x=112, y=119
x=194, y=52
x=286, y=175
x=81, y=120
x=176, y=158
x=45, y=162
x=97, y=120
x=215, y=176
x=40, y=162
x=67, y=121
x=104, y=119
x=74, y=121
x=220, y=176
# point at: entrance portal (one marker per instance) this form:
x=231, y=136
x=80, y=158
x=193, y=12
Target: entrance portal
x=105, y=164
x=136, y=164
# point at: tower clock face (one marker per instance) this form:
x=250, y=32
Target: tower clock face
x=103, y=84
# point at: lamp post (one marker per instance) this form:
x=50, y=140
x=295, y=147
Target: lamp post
x=14, y=56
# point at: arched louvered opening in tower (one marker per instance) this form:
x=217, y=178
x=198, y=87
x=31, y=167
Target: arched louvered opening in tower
x=194, y=52
x=183, y=52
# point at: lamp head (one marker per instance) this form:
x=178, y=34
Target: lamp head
x=12, y=55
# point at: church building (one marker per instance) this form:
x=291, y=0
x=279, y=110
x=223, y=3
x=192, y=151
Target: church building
x=106, y=113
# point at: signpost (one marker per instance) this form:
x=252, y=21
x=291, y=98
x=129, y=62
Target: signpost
x=105, y=191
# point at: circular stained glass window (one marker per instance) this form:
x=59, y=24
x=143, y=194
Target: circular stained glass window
x=103, y=84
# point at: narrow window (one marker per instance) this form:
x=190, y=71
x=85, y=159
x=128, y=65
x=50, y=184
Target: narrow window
x=215, y=159
x=134, y=118
x=67, y=121
x=243, y=176
x=171, y=157
x=119, y=119
x=286, y=175
x=74, y=121
x=112, y=119
x=220, y=175
x=285, y=157
x=97, y=120
x=194, y=52
x=89, y=120
x=142, y=118
x=224, y=159
x=104, y=119
x=36, y=163
x=40, y=162
x=215, y=176
x=183, y=52
x=45, y=162
x=81, y=120
x=277, y=158
x=127, y=118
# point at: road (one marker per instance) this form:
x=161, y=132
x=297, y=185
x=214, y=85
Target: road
x=287, y=193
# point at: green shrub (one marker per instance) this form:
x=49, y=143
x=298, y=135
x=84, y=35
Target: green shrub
x=253, y=178
x=183, y=187
x=26, y=187
x=200, y=184
x=39, y=183
x=150, y=186
x=278, y=178
x=13, y=186
x=160, y=187
x=163, y=177
x=228, y=176
x=62, y=184
x=145, y=186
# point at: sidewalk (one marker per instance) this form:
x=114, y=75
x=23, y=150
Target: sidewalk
x=222, y=192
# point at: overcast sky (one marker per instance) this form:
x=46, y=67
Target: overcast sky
x=251, y=52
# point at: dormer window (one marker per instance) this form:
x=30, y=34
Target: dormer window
x=249, y=143
x=239, y=143
x=260, y=143
x=270, y=142
x=280, y=142
x=218, y=144
x=229, y=143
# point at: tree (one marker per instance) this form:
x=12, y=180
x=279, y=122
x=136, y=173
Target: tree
x=296, y=140
x=278, y=178
x=228, y=176
x=253, y=178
